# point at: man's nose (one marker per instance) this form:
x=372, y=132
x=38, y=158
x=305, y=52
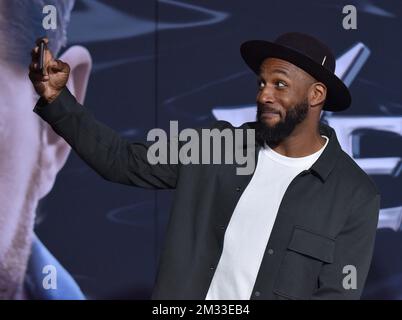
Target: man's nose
x=266, y=96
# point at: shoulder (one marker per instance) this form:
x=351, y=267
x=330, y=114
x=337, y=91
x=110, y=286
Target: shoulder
x=362, y=184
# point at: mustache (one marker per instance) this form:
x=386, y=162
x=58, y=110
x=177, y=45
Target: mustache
x=264, y=109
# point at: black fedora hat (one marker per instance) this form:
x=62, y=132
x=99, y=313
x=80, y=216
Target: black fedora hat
x=307, y=53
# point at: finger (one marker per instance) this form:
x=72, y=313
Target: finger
x=35, y=74
x=33, y=67
x=38, y=77
x=39, y=40
x=58, y=65
x=35, y=53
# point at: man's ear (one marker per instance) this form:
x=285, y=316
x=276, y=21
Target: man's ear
x=54, y=150
x=317, y=94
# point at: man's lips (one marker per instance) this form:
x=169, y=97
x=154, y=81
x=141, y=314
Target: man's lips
x=269, y=112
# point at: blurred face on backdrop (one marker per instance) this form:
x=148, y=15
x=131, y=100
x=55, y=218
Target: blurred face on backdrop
x=19, y=150
x=31, y=154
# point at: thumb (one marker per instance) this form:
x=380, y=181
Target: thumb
x=58, y=66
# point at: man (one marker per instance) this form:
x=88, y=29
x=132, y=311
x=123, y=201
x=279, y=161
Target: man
x=31, y=154
x=301, y=227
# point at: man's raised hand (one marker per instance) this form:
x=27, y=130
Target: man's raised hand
x=50, y=81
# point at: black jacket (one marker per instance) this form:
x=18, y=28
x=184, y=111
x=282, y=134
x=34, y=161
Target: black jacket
x=327, y=218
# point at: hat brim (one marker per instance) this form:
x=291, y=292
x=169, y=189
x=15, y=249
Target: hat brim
x=254, y=52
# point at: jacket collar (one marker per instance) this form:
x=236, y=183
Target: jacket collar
x=328, y=158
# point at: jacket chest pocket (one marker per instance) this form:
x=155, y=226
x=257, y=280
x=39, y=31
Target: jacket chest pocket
x=307, y=251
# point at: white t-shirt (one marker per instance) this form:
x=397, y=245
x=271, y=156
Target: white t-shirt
x=250, y=226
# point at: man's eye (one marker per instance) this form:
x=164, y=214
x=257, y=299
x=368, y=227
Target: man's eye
x=281, y=84
x=260, y=84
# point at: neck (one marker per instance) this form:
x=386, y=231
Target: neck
x=303, y=141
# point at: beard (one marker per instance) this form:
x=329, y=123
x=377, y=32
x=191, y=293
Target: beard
x=273, y=135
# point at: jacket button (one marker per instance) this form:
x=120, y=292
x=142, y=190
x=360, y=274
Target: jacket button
x=238, y=189
x=212, y=268
x=270, y=251
x=222, y=227
x=257, y=293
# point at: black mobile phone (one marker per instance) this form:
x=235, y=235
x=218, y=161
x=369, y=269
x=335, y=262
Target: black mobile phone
x=42, y=46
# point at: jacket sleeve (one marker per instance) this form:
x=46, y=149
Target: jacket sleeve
x=354, y=249
x=111, y=156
